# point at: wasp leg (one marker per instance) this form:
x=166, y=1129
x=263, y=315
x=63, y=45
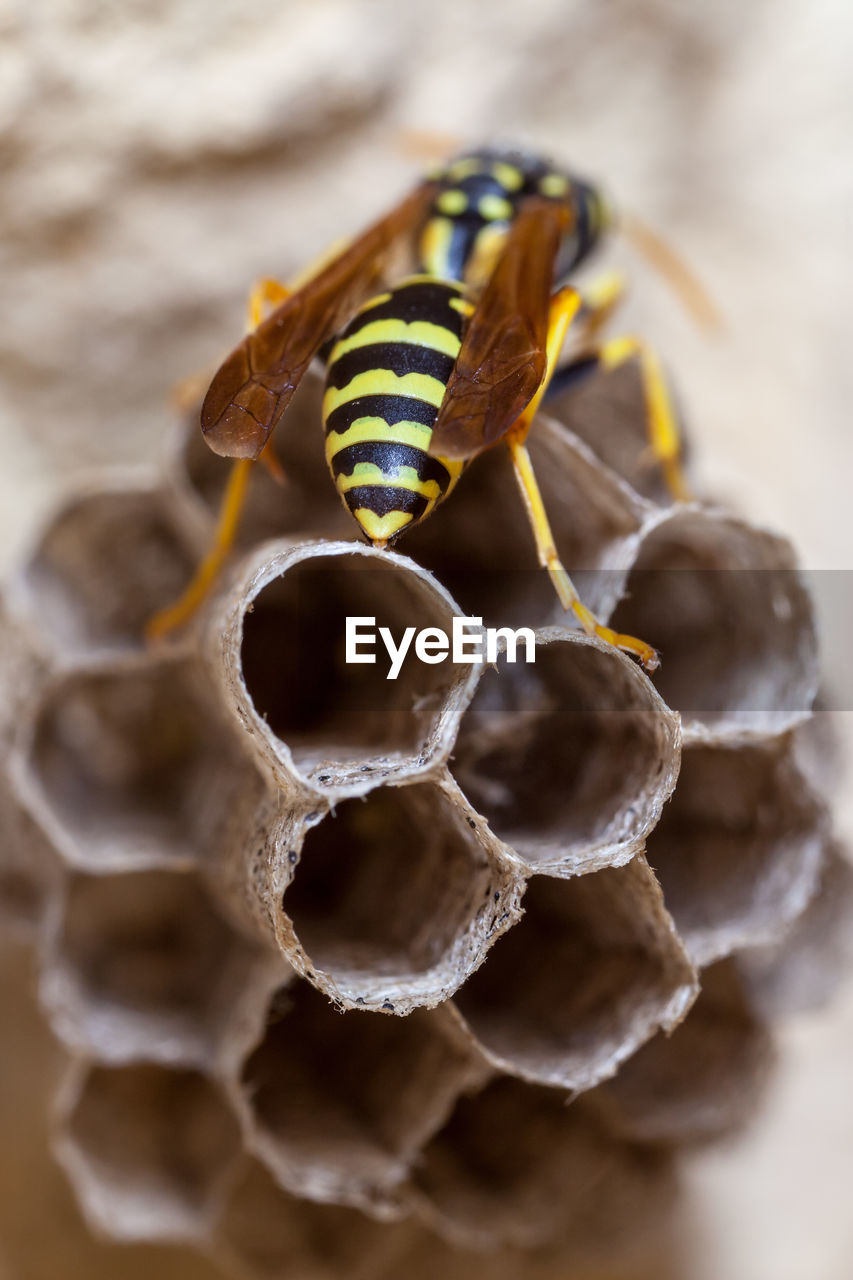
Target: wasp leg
x=600, y=298
x=550, y=560
x=266, y=292
x=564, y=307
x=182, y=610
x=661, y=419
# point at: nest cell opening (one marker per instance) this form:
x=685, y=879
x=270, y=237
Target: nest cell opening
x=480, y=546
x=295, y=670
x=135, y=769
x=801, y=968
x=702, y=1081
x=730, y=617
x=273, y=1234
x=306, y=503
x=570, y=758
x=105, y=566
x=738, y=848
x=590, y=972
x=341, y=1103
x=147, y=1150
x=389, y=892
x=517, y=1164
x=144, y=967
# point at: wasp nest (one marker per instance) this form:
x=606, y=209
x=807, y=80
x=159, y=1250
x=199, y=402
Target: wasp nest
x=359, y=976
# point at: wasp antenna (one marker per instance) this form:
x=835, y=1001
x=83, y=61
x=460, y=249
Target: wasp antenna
x=668, y=264
x=423, y=144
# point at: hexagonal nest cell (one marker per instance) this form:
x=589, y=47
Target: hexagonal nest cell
x=522, y=1164
x=130, y=768
x=149, y=1149
x=739, y=847
x=723, y=603
x=593, y=969
x=395, y=898
x=267, y=1233
x=570, y=759
x=340, y=1105
x=103, y=537
x=319, y=714
x=143, y=967
x=705, y=1079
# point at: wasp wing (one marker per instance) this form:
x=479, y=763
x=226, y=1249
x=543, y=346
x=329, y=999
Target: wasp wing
x=253, y=387
x=502, y=360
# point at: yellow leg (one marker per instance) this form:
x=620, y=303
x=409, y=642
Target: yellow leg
x=550, y=560
x=664, y=434
x=182, y=610
x=600, y=299
x=265, y=293
x=269, y=461
x=565, y=306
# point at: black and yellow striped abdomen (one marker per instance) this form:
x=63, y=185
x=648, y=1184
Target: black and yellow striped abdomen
x=386, y=379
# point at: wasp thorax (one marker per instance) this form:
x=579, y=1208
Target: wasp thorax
x=478, y=197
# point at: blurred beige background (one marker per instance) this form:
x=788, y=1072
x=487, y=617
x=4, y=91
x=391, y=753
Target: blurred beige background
x=159, y=154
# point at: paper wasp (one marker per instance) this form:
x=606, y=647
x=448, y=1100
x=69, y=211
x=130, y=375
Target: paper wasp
x=430, y=372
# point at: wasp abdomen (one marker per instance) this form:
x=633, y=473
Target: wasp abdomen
x=386, y=379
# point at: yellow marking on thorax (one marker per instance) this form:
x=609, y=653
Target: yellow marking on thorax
x=495, y=208
x=377, y=429
x=452, y=202
x=435, y=245
x=421, y=333
x=508, y=176
x=382, y=382
x=554, y=184
x=488, y=246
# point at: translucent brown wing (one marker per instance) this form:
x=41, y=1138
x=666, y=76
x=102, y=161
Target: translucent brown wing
x=502, y=360
x=253, y=387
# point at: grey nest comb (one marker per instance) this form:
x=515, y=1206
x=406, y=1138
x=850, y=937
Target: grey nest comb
x=360, y=978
